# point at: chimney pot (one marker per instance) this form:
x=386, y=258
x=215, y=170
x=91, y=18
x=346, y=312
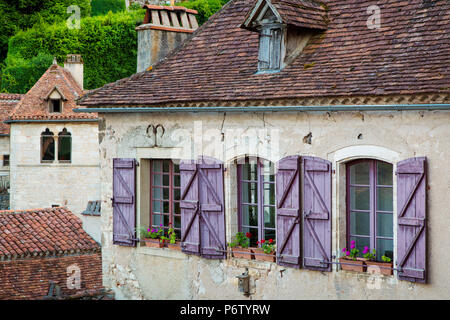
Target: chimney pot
x=74, y=64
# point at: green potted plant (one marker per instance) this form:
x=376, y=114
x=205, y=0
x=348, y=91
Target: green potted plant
x=154, y=237
x=173, y=243
x=373, y=266
x=349, y=259
x=240, y=246
x=266, y=251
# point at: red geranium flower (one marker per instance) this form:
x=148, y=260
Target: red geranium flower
x=270, y=240
x=262, y=241
x=248, y=235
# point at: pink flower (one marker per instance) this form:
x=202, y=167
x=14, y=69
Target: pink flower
x=347, y=253
x=352, y=246
x=353, y=242
x=344, y=250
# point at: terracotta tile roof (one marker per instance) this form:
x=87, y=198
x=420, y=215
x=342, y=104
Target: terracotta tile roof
x=302, y=13
x=43, y=232
x=7, y=103
x=34, y=104
x=407, y=55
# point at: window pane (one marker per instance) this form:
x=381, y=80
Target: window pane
x=48, y=148
x=157, y=219
x=385, y=225
x=166, y=180
x=64, y=148
x=360, y=243
x=249, y=192
x=269, y=234
x=176, y=180
x=177, y=221
x=360, y=198
x=249, y=170
x=268, y=171
x=176, y=207
x=384, y=173
x=166, y=165
x=166, y=221
x=360, y=223
x=254, y=236
x=176, y=168
x=384, y=199
x=166, y=206
x=269, y=193
x=156, y=193
x=359, y=173
x=385, y=247
x=250, y=215
x=176, y=194
x=156, y=207
x=157, y=180
x=157, y=165
x=166, y=192
x=269, y=217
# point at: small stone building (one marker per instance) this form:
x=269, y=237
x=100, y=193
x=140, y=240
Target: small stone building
x=46, y=253
x=314, y=124
x=54, y=157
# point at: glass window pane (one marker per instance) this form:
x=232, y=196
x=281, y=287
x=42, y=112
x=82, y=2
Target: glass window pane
x=176, y=194
x=156, y=193
x=176, y=168
x=385, y=225
x=385, y=247
x=166, y=206
x=157, y=165
x=166, y=192
x=166, y=180
x=166, y=220
x=249, y=170
x=166, y=165
x=157, y=219
x=249, y=192
x=176, y=207
x=157, y=180
x=269, y=217
x=250, y=215
x=360, y=173
x=269, y=193
x=64, y=148
x=384, y=173
x=269, y=234
x=360, y=198
x=360, y=223
x=177, y=221
x=384, y=199
x=268, y=171
x=48, y=148
x=178, y=233
x=360, y=243
x=156, y=206
x=176, y=180
x=254, y=236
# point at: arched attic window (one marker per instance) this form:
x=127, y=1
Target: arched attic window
x=64, y=146
x=47, y=146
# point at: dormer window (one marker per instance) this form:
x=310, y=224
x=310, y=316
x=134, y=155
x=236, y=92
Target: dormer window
x=284, y=29
x=55, y=105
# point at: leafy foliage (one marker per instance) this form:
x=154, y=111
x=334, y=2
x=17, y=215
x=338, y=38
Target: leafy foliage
x=240, y=240
x=18, y=15
x=107, y=44
x=101, y=7
x=205, y=8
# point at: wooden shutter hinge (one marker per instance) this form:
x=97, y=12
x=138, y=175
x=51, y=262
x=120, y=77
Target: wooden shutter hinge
x=136, y=163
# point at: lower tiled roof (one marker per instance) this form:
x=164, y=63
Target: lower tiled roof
x=8, y=102
x=42, y=232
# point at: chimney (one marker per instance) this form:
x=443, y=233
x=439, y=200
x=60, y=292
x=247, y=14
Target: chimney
x=74, y=64
x=164, y=29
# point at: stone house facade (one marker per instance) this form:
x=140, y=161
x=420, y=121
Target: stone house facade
x=309, y=124
x=54, y=157
x=46, y=253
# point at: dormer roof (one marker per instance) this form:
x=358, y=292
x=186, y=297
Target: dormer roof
x=299, y=13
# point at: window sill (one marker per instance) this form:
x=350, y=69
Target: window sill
x=164, y=252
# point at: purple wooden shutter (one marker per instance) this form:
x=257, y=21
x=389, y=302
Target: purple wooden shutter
x=411, y=221
x=288, y=211
x=202, y=208
x=124, y=202
x=190, y=208
x=316, y=214
x=212, y=213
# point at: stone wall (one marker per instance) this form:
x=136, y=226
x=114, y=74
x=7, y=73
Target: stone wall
x=41, y=185
x=148, y=273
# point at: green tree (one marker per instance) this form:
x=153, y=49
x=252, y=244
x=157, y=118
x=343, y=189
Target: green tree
x=205, y=8
x=101, y=7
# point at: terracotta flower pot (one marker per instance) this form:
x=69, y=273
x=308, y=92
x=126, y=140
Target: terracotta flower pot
x=240, y=252
x=375, y=267
x=174, y=246
x=357, y=265
x=153, y=243
x=263, y=256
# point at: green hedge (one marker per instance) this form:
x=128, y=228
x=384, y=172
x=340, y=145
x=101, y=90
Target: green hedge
x=101, y=7
x=205, y=8
x=107, y=44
